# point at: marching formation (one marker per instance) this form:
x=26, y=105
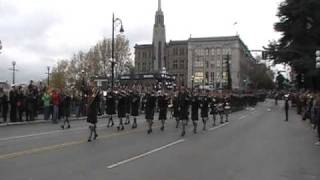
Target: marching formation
x=183, y=105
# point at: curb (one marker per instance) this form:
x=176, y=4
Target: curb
x=43, y=121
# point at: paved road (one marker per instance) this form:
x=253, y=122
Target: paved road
x=255, y=145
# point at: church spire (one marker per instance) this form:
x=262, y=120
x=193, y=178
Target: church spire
x=159, y=5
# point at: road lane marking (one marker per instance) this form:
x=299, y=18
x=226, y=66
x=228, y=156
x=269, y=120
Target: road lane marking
x=63, y=145
x=242, y=117
x=47, y=133
x=220, y=126
x=145, y=154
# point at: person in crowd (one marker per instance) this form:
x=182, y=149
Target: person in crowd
x=29, y=105
x=46, y=104
x=55, y=102
x=110, y=107
x=4, y=106
x=20, y=103
x=13, y=104
x=92, y=112
x=220, y=110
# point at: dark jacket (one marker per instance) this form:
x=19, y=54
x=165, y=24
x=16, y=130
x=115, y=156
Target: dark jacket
x=150, y=105
x=111, y=105
x=121, y=106
x=183, y=104
x=135, y=102
x=205, y=101
x=92, y=110
x=195, y=103
x=163, y=107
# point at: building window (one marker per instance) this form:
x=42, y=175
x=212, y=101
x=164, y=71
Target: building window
x=212, y=76
x=181, y=51
x=212, y=52
x=207, y=64
x=181, y=64
x=212, y=66
x=175, y=64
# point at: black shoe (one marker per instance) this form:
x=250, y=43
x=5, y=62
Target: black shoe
x=118, y=128
x=95, y=136
x=221, y=122
x=149, y=131
x=62, y=126
x=122, y=128
x=183, y=133
x=112, y=124
x=162, y=128
x=69, y=126
x=89, y=140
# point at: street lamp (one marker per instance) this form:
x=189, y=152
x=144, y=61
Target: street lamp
x=163, y=74
x=13, y=69
x=112, y=55
x=48, y=68
x=318, y=59
x=192, y=81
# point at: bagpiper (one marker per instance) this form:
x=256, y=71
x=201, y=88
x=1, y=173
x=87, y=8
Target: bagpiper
x=111, y=107
x=205, y=102
x=163, y=102
x=149, y=110
x=121, y=110
x=128, y=97
x=176, y=109
x=135, y=102
x=92, y=112
x=183, y=104
x=195, y=104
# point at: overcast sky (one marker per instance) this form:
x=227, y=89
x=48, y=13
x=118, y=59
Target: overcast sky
x=36, y=33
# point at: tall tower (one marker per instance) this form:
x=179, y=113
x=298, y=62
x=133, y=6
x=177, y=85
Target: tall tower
x=159, y=40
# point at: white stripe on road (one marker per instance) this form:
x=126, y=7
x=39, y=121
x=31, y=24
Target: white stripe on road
x=145, y=154
x=242, y=117
x=220, y=126
x=46, y=133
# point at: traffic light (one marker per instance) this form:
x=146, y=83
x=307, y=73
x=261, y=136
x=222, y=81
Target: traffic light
x=264, y=55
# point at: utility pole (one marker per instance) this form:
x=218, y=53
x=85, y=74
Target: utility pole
x=13, y=69
x=48, y=69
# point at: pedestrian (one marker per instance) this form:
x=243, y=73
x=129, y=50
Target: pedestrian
x=66, y=103
x=5, y=106
x=150, y=106
x=46, y=104
x=92, y=111
x=13, y=104
x=286, y=106
x=55, y=102
x=183, y=104
x=20, y=103
x=135, y=103
x=220, y=110
x=163, y=102
x=29, y=106
x=195, y=104
x=110, y=103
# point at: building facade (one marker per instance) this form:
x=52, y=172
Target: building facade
x=195, y=61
